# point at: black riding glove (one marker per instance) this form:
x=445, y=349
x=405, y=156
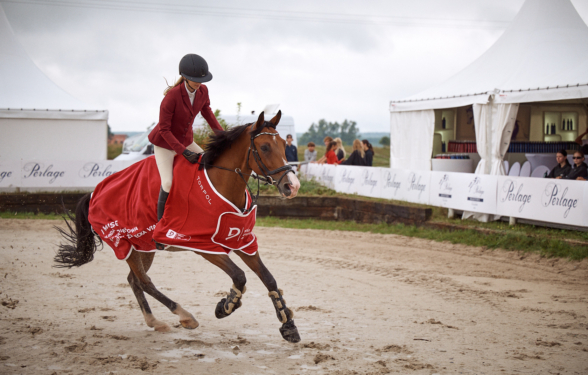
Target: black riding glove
x=191, y=156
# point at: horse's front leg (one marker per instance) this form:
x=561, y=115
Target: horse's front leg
x=140, y=282
x=285, y=315
x=232, y=302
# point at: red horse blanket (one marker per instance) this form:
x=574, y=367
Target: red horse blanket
x=123, y=212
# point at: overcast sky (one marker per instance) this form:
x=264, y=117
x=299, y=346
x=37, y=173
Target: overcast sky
x=319, y=59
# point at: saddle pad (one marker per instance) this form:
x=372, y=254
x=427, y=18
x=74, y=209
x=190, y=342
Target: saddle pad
x=123, y=212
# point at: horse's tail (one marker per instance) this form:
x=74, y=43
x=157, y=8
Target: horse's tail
x=81, y=242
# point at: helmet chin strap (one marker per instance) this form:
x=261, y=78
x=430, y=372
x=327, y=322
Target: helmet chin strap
x=188, y=83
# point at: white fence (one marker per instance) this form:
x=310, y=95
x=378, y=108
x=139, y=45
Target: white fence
x=35, y=175
x=555, y=201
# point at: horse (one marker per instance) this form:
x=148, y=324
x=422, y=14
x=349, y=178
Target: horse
x=229, y=159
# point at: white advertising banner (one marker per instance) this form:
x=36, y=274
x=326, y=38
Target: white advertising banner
x=405, y=185
x=47, y=174
x=315, y=171
x=371, y=182
x=89, y=174
x=348, y=179
x=9, y=174
x=66, y=174
x=309, y=171
x=327, y=175
x=558, y=201
x=464, y=191
x=303, y=169
x=391, y=180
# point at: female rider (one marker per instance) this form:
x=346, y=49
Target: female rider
x=173, y=134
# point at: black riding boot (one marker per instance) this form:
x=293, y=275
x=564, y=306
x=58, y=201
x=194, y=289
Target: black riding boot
x=161, y=203
x=160, y=209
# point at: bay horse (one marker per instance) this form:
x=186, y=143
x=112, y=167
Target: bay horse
x=230, y=158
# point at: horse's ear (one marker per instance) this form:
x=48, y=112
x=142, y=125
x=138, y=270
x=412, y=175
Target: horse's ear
x=276, y=119
x=259, y=124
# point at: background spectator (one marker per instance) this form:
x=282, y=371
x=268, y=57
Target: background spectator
x=563, y=166
x=580, y=171
x=340, y=151
x=291, y=150
x=330, y=155
x=310, y=152
x=357, y=157
x=326, y=141
x=369, y=152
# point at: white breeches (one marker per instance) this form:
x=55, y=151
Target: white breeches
x=164, y=159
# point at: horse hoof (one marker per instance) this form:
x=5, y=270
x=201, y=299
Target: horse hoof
x=290, y=332
x=189, y=323
x=219, y=311
x=163, y=328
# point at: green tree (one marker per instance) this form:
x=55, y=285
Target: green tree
x=385, y=141
x=201, y=134
x=347, y=131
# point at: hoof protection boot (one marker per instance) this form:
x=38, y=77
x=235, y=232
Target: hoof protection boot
x=290, y=332
x=226, y=306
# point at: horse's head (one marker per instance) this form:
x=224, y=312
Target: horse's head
x=268, y=155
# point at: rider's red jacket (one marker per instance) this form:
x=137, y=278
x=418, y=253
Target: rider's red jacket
x=176, y=115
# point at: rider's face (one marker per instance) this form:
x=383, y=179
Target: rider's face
x=193, y=85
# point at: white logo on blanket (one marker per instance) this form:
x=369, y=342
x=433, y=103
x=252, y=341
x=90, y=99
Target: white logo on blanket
x=177, y=236
x=233, y=232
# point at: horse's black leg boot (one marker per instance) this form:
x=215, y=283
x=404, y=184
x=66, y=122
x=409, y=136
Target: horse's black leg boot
x=160, y=209
x=226, y=306
x=285, y=316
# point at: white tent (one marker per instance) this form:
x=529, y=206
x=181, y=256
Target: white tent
x=39, y=120
x=541, y=57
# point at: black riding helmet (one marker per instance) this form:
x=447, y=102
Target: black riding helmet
x=194, y=68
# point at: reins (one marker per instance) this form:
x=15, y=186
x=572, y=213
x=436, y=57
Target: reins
x=266, y=178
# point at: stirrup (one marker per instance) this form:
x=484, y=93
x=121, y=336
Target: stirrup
x=159, y=246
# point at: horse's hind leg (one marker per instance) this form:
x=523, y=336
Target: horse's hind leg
x=285, y=315
x=140, y=282
x=149, y=318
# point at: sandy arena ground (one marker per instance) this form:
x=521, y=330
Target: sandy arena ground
x=364, y=303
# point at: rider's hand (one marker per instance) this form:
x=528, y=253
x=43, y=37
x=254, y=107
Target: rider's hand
x=191, y=156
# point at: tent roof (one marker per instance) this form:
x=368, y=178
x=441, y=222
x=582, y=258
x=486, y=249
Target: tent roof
x=25, y=91
x=541, y=56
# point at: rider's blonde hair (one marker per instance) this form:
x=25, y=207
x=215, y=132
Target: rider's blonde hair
x=179, y=81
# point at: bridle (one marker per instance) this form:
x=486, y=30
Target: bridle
x=267, y=178
x=267, y=174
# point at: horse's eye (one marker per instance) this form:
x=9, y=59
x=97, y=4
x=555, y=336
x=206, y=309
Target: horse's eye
x=265, y=148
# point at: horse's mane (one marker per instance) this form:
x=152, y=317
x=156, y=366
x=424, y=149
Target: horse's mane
x=221, y=142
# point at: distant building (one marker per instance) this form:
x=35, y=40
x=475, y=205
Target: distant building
x=117, y=139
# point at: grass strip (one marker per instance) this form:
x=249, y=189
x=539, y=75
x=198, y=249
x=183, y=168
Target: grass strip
x=546, y=247
x=29, y=215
